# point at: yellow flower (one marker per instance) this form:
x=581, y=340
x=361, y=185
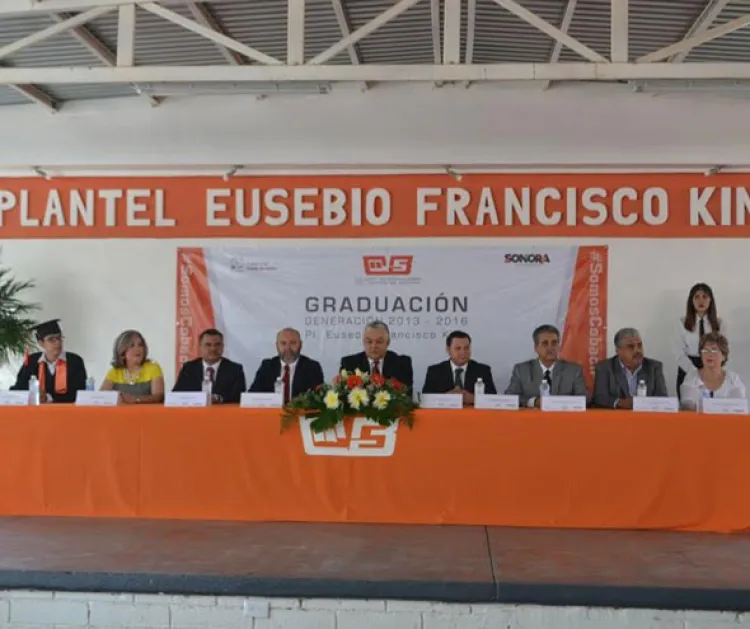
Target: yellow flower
x=331, y=400
x=381, y=400
x=359, y=373
x=358, y=398
x=344, y=374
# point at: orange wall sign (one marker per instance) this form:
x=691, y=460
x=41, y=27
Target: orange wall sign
x=499, y=205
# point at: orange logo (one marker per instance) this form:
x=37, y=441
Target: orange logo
x=364, y=438
x=388, y=265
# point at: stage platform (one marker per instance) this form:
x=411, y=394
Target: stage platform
x=661, y=570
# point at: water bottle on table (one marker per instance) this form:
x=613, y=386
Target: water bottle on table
x=34, y=397
x=641, y=390
x=544, y=389
x=207, y=388
x=90, y=384
x=278, y=389
x=704, y=393
x=478, y=388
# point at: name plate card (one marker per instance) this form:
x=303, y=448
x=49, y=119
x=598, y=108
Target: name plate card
x=496, y=402
x=186, y=399
x=727, y=406
x=14, y=398
x=441, y=400
x=656, y=404
x=97, y=398
x=261, y=400
x=576, y=403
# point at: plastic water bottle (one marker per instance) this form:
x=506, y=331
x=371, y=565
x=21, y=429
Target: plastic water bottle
x=90, y=384
x=479, y=387
x=278, y=388
x=207, y=387
x=641, y=390
x=704, y=393
x=34, y=391
x=544, y=389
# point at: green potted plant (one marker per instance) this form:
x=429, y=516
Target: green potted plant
x=16, y=324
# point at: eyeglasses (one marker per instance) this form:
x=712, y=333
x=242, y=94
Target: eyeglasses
x=54, y=339
x=711, y=350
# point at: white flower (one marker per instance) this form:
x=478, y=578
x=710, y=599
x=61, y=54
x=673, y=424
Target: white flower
x=381, y=400
x=358, y=398
x=359, y=373
x=331, y=400
x=344, y=374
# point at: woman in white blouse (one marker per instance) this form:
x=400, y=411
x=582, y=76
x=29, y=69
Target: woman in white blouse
x=712, y=379
x=700, y=319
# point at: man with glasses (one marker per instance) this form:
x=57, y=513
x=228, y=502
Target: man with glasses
x=61, y=374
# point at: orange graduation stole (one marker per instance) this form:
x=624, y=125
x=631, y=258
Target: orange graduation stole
x=61, y=376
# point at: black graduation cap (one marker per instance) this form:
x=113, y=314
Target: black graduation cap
x=48, y=328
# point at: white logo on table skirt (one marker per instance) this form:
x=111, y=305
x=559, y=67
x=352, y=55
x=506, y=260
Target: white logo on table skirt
x=361, y=437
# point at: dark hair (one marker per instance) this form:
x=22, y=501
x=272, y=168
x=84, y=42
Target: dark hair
x=542, y=329
x=210, y=332
x=720, y=341
x=456, y=334
x=690, y=314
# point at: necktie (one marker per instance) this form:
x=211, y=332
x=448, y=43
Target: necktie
x=375, y=368
x=210, y=373
x=701, y=329
x=285, y=378
x=548, y=377
x=459, y=379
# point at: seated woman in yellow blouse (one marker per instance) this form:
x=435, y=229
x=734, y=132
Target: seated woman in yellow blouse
x=139, y=380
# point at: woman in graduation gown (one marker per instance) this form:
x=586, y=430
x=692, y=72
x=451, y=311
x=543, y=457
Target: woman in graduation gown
x=61, y=374
x=138, y=379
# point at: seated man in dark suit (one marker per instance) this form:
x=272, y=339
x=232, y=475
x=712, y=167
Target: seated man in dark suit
x=616, y=379
x=459, y=373
x=228, y=377
x=378, y=359
x=562, y=376
x=298, y=373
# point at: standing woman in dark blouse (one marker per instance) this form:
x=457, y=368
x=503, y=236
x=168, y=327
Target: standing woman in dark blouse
x=700, y=318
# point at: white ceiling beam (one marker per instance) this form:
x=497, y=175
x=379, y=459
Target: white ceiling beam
x=204, y=17
x=19, y=7
x=619, y=31
x=38, y=95
x=552, y=31
x=708, y=16
x=126, y=35
x=98, y=48
x=567, y=20
x=452, y=32
x=218, y=38
x=437, y=53
x=295, y=28
x=373, y=25
x=53, y=30
x=696, y=40
x=345, y=27
x=471, y=21
x=329, y=73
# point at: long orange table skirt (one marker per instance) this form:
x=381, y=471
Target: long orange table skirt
x=599, y=469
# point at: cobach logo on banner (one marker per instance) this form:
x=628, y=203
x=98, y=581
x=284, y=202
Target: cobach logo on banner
x=388, y=265
x=360, y=438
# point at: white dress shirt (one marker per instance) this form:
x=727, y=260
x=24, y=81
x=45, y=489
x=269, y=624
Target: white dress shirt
x=292, y=367
x=215, y=367
x=52, y=366
x=690, y=391
x=380, y=364
x=454, y=367
x=686, y=342
x=532, y=400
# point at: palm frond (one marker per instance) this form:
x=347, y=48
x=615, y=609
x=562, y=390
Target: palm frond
x=16, y=323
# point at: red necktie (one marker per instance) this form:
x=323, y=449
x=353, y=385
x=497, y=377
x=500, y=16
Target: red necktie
x=210, y=373
x=375, y=367
x=285, y=378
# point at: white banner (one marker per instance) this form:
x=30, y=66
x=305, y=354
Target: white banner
x=498, y=295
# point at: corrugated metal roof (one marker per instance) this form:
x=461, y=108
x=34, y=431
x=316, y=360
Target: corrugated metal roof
x=499, y=36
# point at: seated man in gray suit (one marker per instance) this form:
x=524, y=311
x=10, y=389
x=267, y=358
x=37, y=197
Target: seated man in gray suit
x=616, y=379
x=563, y=377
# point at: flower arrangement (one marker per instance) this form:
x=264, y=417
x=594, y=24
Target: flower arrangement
x=352, y=394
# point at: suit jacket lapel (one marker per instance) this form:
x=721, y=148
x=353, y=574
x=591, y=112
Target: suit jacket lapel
x=296, y=383
x=622, y=381
x=536, y=376
x=557, y=374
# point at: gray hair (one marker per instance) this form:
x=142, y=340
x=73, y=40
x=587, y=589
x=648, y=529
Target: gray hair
x=122, y=343
x=624, y=333
x=544, y=329
x=293, y=330
x=378, y=325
